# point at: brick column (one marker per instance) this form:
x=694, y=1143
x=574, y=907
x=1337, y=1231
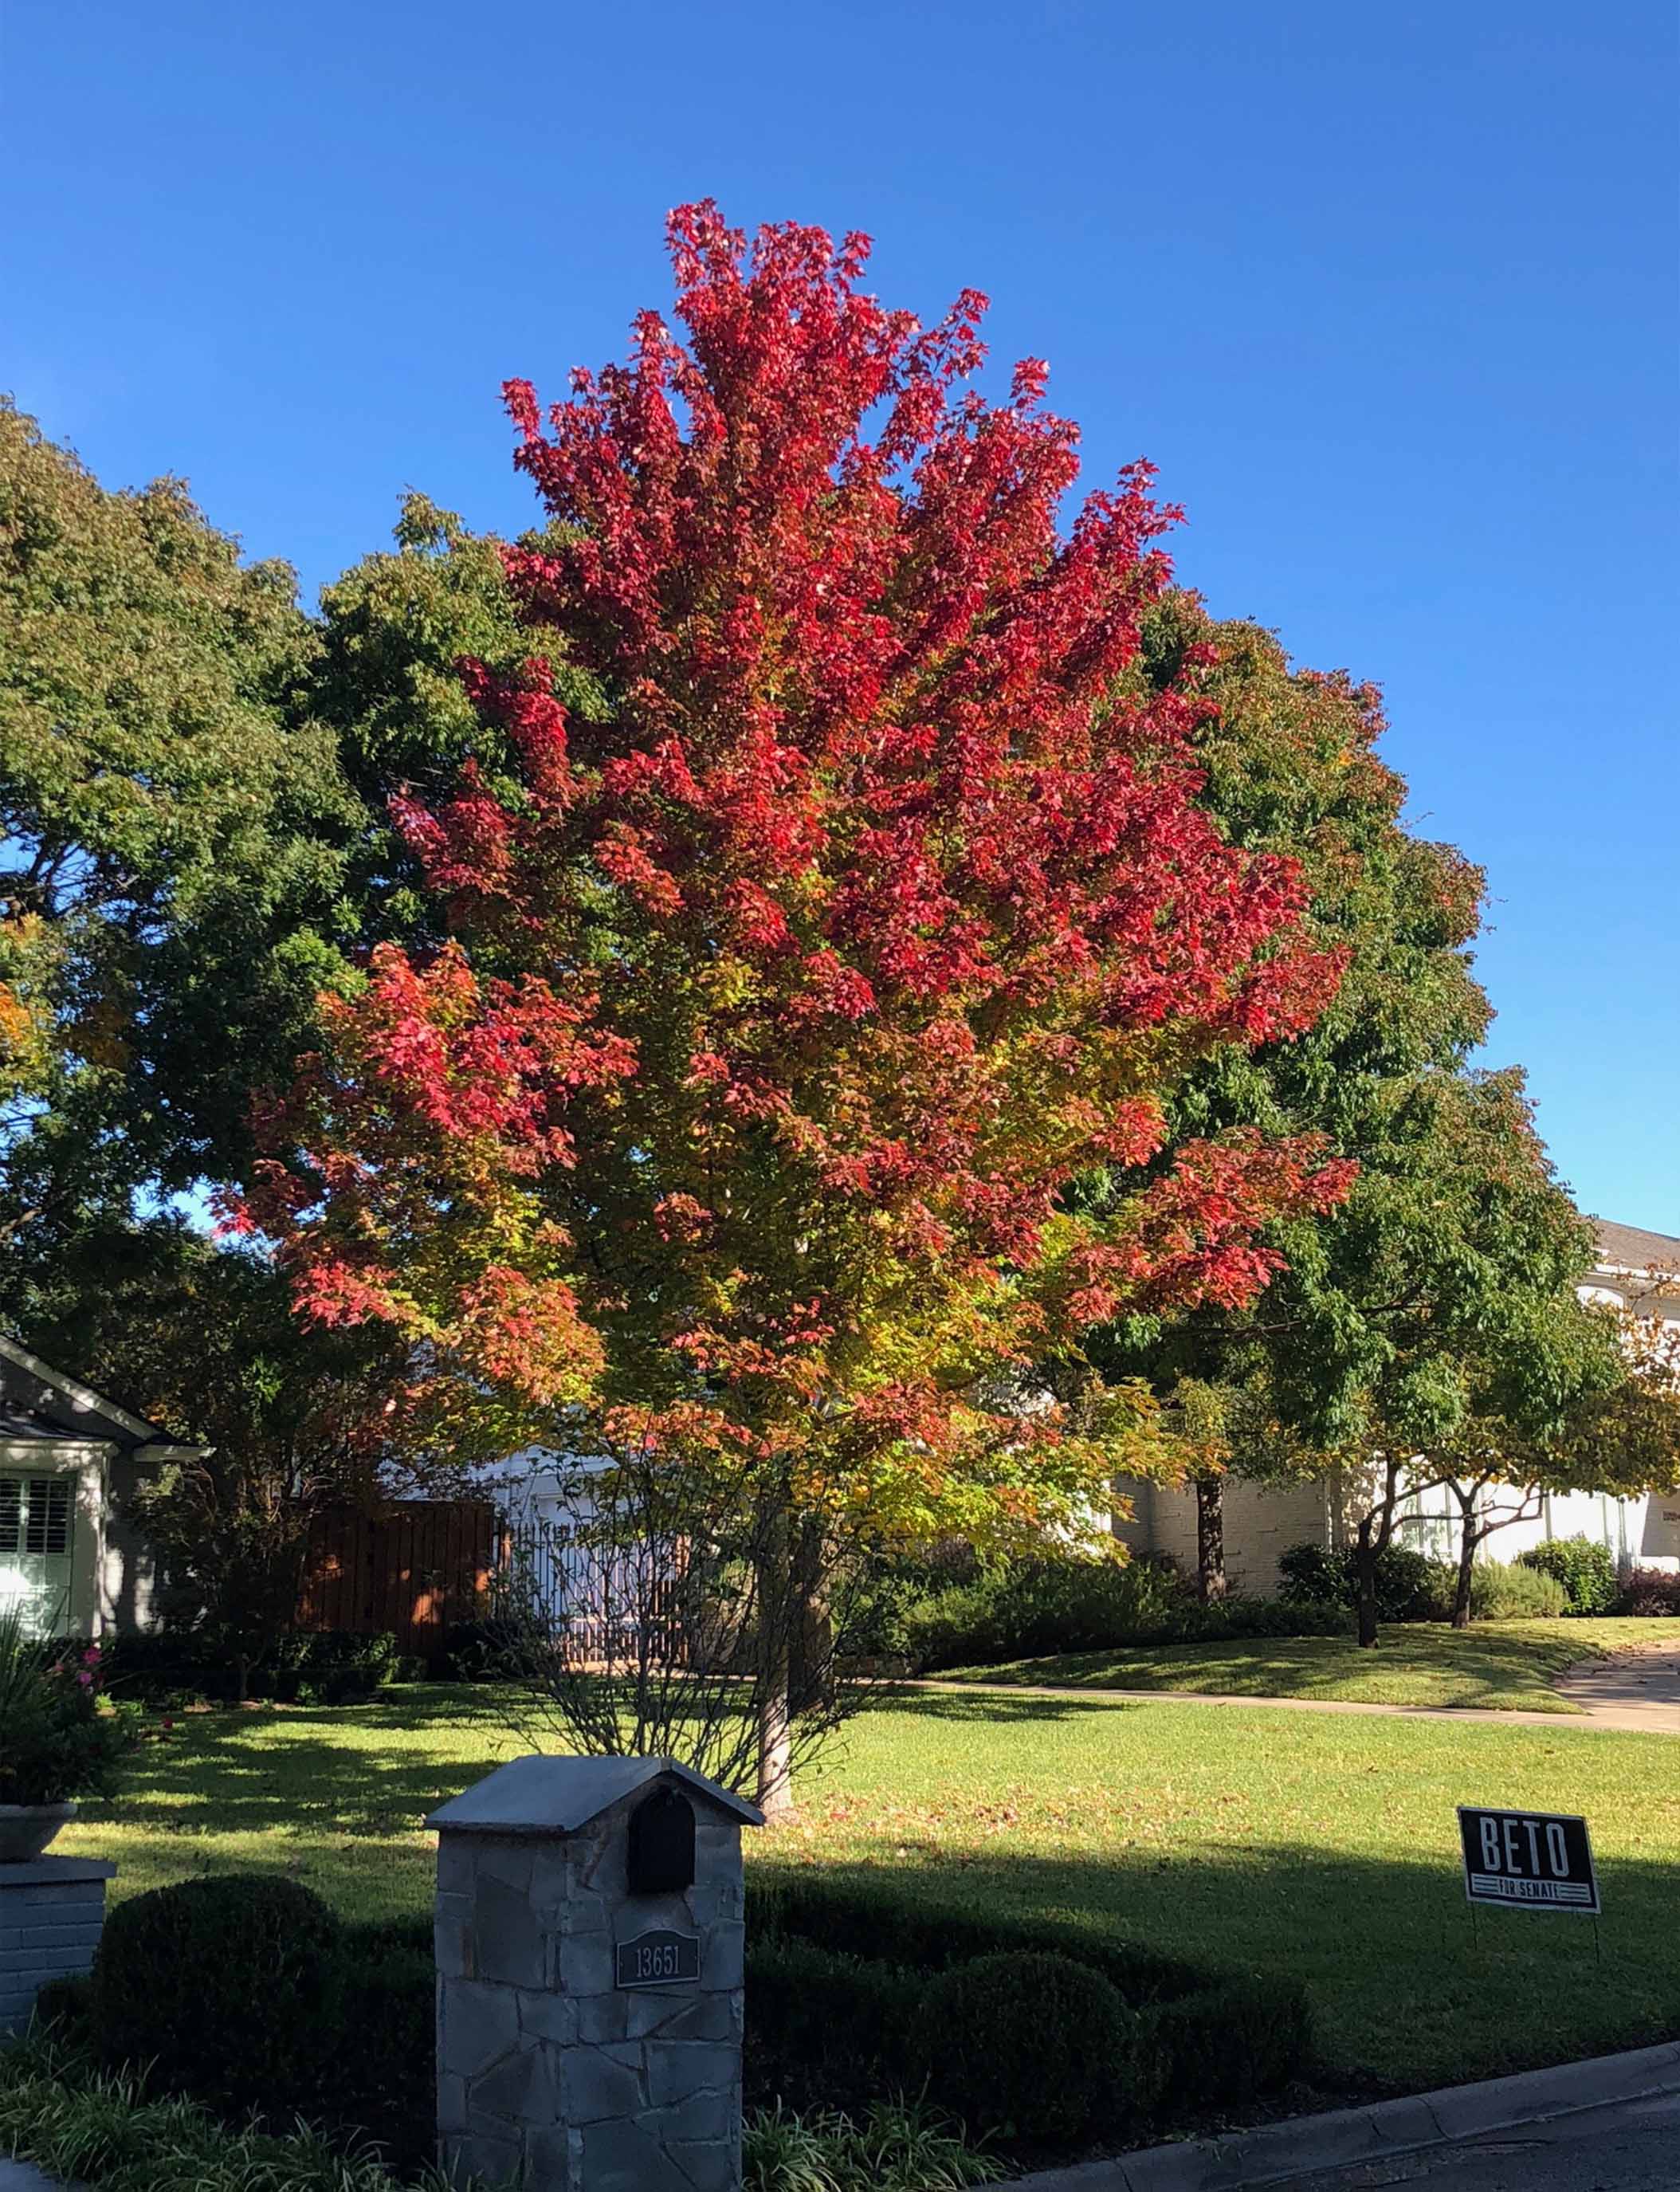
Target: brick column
x=52, y=1910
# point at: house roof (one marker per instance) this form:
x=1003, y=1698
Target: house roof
x=1631, y=1249
x=539, y=1795
x=21, y=1426
x=39, y=1403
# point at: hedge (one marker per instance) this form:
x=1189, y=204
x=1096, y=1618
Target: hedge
x=246, y=1994
x=1191, y=2038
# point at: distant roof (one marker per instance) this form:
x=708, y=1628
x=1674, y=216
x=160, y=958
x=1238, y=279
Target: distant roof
x=1632, y=1249
x=539, y=1795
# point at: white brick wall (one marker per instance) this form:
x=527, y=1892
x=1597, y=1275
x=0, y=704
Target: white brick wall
x=1261, y=1522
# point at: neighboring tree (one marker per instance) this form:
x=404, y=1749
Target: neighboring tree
x=1613, y=1428
x=786, y=991
x=203, y=1342
x=171, y=841
x=1389, y=1310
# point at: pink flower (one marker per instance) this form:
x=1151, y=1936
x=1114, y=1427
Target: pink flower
x=85, y=1680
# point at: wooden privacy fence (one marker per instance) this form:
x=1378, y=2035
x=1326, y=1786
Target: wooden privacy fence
x=414, y=1568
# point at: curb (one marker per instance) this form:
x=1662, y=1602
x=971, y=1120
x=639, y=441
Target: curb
x=1283, y=2153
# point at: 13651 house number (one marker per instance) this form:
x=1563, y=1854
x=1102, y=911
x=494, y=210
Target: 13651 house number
x=658, y=1959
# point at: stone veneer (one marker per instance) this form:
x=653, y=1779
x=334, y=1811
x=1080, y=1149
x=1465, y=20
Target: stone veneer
x=550, y=2075
x=52, y=1910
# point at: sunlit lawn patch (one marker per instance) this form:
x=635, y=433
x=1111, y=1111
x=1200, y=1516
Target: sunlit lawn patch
x=1501, y=1666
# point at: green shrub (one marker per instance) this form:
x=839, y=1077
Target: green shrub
x=323, y=1667
x=1649, y=1591
x=1585, y=1570
x=380, y=2077
x=222, y=1991
x=1230, y=2044
x=329, y=1667
x=64, y=2011
x=479, y=1652
x=1037, y=1608
x=1198, y=2037
x=1035, y=2047
x=1409, y=1586
x=873, y=1920
x=824, y=2029
x=1499, y=1592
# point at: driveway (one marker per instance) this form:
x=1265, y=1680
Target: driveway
x=1631, y=2146
x=1638, y=1689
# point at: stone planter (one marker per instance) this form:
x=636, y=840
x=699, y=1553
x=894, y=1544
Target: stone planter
x=26, y=1830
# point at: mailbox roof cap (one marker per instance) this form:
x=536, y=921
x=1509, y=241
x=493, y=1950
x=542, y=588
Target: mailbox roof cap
x=540, y=1794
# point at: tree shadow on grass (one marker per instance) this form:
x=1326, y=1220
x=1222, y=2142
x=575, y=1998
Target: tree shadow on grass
x=992, y=1705
x=353, y=1770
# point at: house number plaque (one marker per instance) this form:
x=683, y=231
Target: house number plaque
x=659, y=1958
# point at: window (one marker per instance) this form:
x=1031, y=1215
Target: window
x=37, y=1540
x=35, y=1514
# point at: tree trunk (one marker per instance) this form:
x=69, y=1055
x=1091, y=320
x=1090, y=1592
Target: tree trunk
x=774, y=1705
x=775, y=1793
x=1365, y=1580
x=1210, y=1538
x=1468, y=1541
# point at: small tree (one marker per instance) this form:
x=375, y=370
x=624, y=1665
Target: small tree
x=786, y=996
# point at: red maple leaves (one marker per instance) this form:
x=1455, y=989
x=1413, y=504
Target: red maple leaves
x=789, y=1002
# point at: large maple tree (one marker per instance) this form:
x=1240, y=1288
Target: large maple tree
x=783, y=995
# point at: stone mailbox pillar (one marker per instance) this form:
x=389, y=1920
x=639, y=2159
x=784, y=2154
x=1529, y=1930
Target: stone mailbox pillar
x=590, y=1939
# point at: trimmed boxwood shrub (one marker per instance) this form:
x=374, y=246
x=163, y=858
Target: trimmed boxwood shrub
x=64, y=2008
x=221, y=1989
x=1032, y=2045
x=1199, y=2038
x=1231, y=2043
x=825, y=2030
x=379, y=2080
x=246, y=1994
x=876, y=1921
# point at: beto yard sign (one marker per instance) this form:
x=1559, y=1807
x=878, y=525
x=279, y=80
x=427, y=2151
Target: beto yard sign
x=1540, y=1859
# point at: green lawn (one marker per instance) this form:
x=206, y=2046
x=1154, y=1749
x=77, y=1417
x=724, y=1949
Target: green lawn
x=1324, y=1844
x=1502, y=1666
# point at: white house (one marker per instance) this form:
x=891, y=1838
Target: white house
x=1637, y=1270
x=68, y=1460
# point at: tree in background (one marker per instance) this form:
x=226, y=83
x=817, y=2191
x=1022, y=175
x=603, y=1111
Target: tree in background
x=172, y=846
x=1456, y=1242
x=786, y=991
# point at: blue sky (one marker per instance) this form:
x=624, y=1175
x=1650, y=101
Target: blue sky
x=1388, y=293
